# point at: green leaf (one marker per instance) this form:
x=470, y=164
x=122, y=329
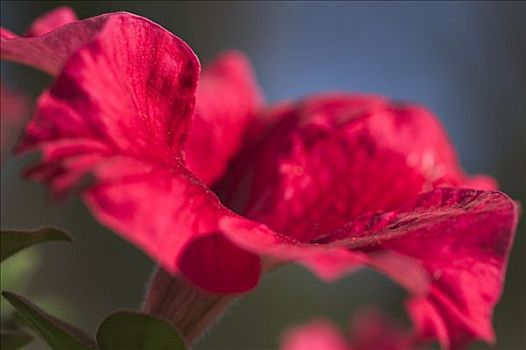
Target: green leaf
x=58, y=334
x=14, y=241
x=17, y=272
x=14, y=339
x=125, y=330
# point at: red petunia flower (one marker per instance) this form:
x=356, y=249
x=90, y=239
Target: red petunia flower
x=369, y=330
x=44, y=24
x=14, y=112
x=333, y=182
x=15, y=105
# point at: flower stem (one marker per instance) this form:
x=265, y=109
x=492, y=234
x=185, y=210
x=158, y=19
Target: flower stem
x=189, y=309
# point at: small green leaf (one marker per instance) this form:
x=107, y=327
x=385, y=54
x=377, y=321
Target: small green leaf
x=125, y=330
x=58, y=334
x=17, y=272
x=14, y=241
x=14, y=339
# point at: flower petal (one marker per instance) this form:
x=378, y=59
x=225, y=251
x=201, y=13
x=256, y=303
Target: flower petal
x=449, y=248
x=228, y=95
x=131, y=90
x=330, y=159
x=50, y=51
x=316, y=335
x=461, y=239
x=217, y=265
x=14, y=112
x=46, y=23
x=173, y=217
x=6, y=34
x=52, y=20
x=118, y=115
x=371, y=330
x=227, y=100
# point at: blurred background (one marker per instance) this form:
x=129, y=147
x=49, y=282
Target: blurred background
x=465, y=61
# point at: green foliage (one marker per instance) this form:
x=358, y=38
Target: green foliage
x=15, y=273
x=14, y=241
x=58, y=334
x=124, y=330
x=14, y=339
